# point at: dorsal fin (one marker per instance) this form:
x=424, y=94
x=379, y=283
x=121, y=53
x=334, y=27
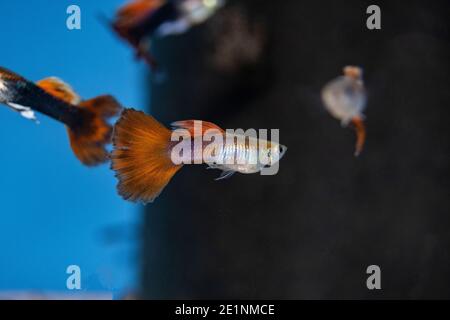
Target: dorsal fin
x=59, y=89
x=190, y=124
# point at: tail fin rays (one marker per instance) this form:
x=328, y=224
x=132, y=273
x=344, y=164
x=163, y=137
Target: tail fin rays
x=141, y=156
x=89, y=139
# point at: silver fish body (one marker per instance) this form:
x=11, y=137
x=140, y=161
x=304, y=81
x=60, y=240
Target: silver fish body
x=345, y=98
x=245, y=154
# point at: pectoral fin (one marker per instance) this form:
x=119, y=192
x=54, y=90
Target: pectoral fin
x=24, y=111
x=225, y=175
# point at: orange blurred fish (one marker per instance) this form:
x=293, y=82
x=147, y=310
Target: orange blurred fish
x=86, y=120
x=145, y=155
x=140, y=20
x=345, y=98
x=131, y=24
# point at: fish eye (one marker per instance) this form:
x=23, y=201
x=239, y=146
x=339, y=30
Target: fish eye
x=281, y=149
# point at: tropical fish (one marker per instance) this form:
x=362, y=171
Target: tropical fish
x=140, y=20
x=145, y=154
x=86, y=120
x=345, y=98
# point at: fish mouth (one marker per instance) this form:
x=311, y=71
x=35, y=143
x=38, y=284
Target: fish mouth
x=282, y=151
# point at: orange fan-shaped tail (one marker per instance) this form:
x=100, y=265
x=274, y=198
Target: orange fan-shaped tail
x=141, y=156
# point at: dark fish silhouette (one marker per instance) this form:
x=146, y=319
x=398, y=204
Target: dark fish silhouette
x=140, y=20
x=86, y=121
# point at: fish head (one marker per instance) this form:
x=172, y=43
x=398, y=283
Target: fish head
x=273, y=153
x=3, y=90
x=354, y=72
x=277, y=152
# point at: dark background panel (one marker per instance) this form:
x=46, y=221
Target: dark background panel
x=311, y=230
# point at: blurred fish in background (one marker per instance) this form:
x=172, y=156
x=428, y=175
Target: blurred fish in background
x=345, y=98
x=86, y=121
x=139, y=21
x=238, y=40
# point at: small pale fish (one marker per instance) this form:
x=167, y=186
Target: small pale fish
x=345, y=99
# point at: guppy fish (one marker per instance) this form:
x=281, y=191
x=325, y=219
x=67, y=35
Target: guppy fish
x=86, y=121
x=345, y=98
x=143, y=154
x=140, y=20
